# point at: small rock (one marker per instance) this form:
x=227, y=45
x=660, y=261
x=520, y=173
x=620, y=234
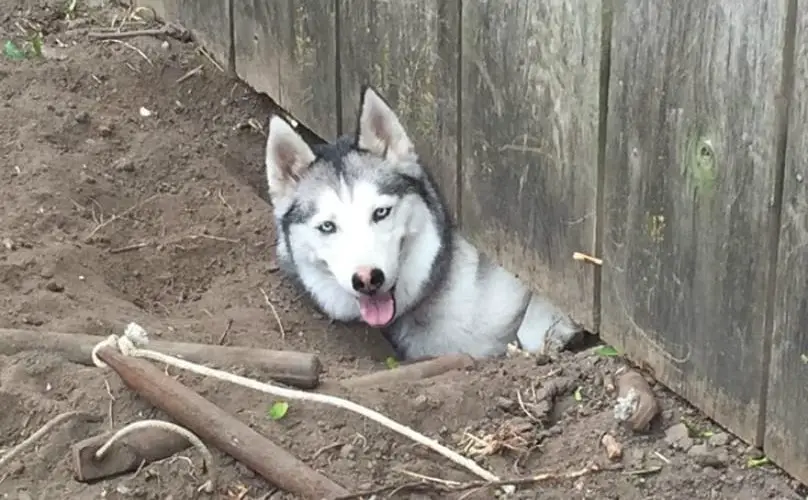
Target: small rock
x=55, y=287
x=678, y=436
x=24, y=495
x=87, y=178
x=104, y=130
x=420, y=402
x=346, y=451
x=719, y=439
x=124, y=165
x=16, y=468
x=10, y=246
x=542, y=359
x=706, y=457
x=505, y=403
x=754, y=453
x=82, y=117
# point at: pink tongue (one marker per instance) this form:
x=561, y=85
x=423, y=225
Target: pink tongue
x=377, y=310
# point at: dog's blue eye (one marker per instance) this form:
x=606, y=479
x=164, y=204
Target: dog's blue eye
x=327, y=227
x=381, y=213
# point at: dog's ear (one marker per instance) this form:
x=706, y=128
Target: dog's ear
x=287, y=156
x=379, y=129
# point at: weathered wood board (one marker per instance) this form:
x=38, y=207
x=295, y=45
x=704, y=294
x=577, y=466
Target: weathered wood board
x=288, y=50
x=408, y=50
x=529, y=119
x=209, y=22
x=690, y=169
x=786, y=441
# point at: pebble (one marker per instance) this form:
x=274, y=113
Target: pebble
x=420, y=402
x=82, y=117
x=54, y=286
x=678, y=436
x=506, y=403
x=719, y=439
x=87, y=178
x=346, y=451
x=124, y=165
x=705, y=456
x=542, y=359
x=104, y=130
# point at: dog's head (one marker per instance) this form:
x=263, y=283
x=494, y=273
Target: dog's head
x=346, y=210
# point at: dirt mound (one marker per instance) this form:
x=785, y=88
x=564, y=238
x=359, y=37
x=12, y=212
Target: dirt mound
x=112, y=214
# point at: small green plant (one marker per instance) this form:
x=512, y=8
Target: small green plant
x=694, y=431
x=578, y=395
x=278, y=410
x=757, y=462
x=607, y=351
x=31, y=48
x=391, y=362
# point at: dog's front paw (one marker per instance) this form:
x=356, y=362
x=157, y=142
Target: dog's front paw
x=562, y=335
x=546, y=330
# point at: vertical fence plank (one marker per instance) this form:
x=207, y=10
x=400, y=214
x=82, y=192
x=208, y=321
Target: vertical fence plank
x=530, y=86
x=208, y=21
x=408, y=50
x=786, y=439
x=287, y=49
x=690, y=169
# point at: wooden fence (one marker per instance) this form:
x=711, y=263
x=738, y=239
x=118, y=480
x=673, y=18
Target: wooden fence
x=667, y=138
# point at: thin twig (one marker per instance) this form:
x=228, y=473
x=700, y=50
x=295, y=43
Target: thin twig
x=132, y=47
x=212, y=237
x=446, y=486
x=224, y=202
x=127, y=34
x=122, y=215
x=274, y=313
x=226, y=331
x=190, y=74
x=210, y=58
x=128, y=248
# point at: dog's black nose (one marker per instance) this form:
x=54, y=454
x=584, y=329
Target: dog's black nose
x=367, y=280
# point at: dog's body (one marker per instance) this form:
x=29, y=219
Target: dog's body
x=364, y=230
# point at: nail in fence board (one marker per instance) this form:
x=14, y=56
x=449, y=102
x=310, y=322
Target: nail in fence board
x=787, y=407
x=209, y=22
x=408, y=50
x=690, y=168
x=287, y=49
x=530, y=82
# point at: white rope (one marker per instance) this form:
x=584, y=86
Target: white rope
x=135, y=337
x=207, y=465
x=33, y=438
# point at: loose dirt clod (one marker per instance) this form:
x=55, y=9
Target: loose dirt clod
x=636, y=404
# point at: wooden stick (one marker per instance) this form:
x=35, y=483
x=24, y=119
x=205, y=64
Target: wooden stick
x=297, y=369
x=220, y=429
x=125, y=455
x=416, y=371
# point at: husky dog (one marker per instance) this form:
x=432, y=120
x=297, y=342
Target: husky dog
x=363, y=229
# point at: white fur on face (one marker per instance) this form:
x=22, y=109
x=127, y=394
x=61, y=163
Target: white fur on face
x=287, y=156
x=358, y=241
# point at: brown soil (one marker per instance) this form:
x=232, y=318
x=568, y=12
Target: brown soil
x=187, y=186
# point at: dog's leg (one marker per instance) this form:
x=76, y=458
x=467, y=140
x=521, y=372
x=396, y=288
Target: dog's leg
x=545, y=329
